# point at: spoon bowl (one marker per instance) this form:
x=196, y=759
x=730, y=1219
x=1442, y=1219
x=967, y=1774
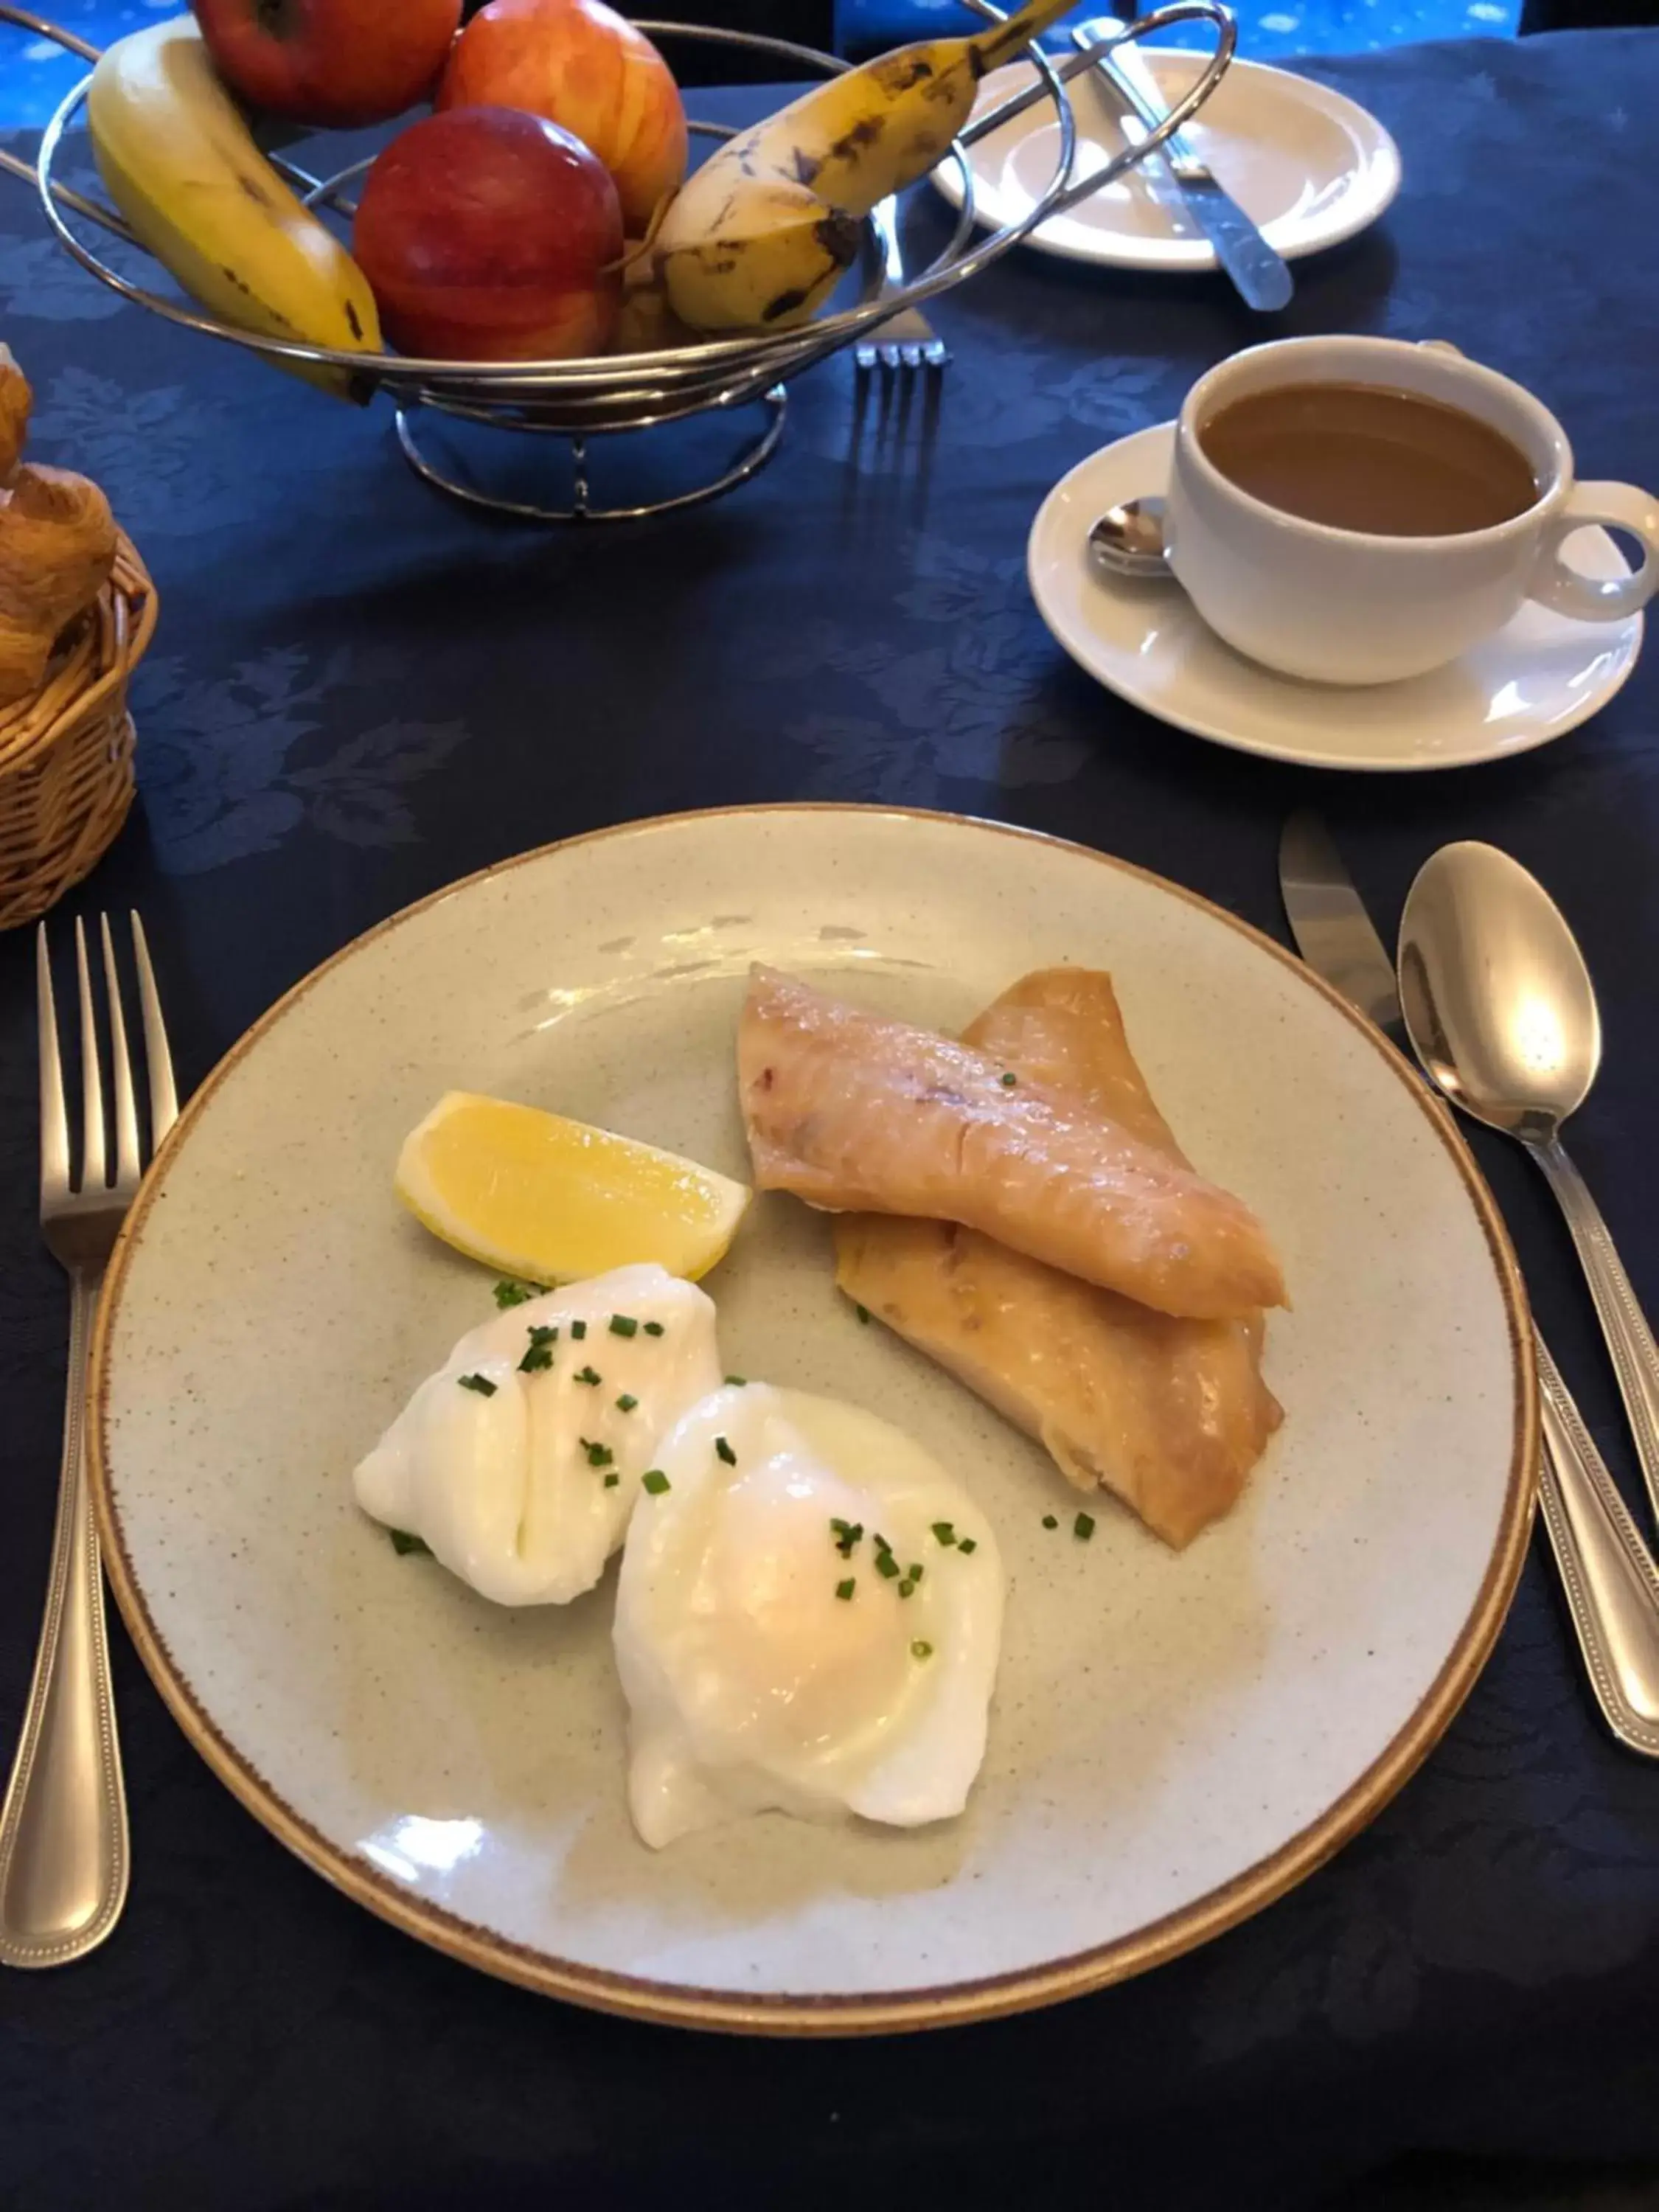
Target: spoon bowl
x=1496, y=996
x=1129, y=539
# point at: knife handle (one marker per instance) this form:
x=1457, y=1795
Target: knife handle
x=1608, y=1574
x=1629, y=1339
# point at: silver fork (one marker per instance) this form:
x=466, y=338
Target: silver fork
x=64, y=1826
x=906, y=341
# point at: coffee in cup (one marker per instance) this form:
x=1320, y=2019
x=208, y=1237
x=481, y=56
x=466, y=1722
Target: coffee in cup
x=1368, y=457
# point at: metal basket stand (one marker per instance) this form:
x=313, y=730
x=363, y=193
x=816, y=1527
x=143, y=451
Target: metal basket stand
x=595, y=399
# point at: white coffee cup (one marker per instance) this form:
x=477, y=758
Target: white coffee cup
x=1348, y=606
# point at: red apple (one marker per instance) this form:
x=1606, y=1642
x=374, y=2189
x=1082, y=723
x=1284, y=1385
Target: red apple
x=331, y=63
x=488, y=235
x=580, y=65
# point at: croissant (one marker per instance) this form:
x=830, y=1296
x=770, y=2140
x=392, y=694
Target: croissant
x=15, y=400
x=57, y=549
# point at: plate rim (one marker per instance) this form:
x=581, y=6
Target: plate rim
x=985, y=1996
x=1582, y=711
x=1382, y=154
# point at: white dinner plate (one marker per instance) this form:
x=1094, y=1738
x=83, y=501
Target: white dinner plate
x=1307, y=166
x=1174, y=1739
x=1540, y=677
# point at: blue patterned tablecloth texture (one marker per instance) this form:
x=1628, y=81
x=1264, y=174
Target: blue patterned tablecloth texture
x=359, y=691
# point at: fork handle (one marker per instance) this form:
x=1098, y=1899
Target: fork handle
x=64, y=1826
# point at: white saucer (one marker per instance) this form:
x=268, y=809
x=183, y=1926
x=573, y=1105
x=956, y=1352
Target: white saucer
x=1536, y=679
x=1309, y=167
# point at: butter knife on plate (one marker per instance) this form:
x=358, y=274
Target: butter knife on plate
x=1260, y=275
x=1611, y=1581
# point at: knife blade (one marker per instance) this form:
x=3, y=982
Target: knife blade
x=1258, y=274
x=1333, y=933
x=1611, y=1581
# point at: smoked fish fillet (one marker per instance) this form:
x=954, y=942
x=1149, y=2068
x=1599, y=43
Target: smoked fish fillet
x=1168, y=1414
x=856, y=1113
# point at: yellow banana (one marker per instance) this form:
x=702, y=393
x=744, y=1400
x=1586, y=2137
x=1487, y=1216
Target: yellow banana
x=758, y=238
x=778, y=253
x=179, y=160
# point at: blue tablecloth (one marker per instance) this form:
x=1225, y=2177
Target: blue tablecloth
x=359, y=691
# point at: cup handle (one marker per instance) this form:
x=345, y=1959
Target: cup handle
x=1607, y=599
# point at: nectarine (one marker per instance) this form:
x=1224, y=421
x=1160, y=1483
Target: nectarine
x=488, y=235
x=332, y=63
x=582, y=66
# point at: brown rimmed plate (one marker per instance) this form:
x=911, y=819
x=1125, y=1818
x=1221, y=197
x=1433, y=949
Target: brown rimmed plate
x=1174, y=1741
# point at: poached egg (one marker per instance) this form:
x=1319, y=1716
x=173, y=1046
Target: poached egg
x=808, y=1617
x=519, y=1462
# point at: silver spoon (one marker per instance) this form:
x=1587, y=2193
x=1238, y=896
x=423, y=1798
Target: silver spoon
x=1503, y=1015
x=1129, y=539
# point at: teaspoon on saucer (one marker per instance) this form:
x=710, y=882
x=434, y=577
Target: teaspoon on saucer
x=1128, y=539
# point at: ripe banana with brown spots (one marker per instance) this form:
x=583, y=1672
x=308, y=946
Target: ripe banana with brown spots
x=180, y=161
x=759, y=237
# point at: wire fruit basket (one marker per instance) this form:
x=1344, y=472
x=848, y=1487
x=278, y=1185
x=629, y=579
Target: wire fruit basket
x=615, y=394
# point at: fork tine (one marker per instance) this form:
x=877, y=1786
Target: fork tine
x=54, y=1117
x=163, y=1098
x=93, y=1168
x=128, y=1164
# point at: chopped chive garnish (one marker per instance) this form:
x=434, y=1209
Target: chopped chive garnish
x=1049, y=1521
x=512, y=1294
x=887, y=1564
x=611, y=1481
x=915, y=1573
x=921, y=1650
x=723, y=1450
x=653, y=1329
x=907, y=1588
x=738, y=1381
x=481, y=1383
x=1084, y=1527
x=1009, y=1080
x=403, y=1542
x=845, y=1590
x=655, y=1481
x=847, y=1535
x=588, y=1375
x=598, y=1454
x=540, y=1354
x=624, y=1325
x=944, y=1531
x=863, y=1313
x=880, y=1543
x=627, y=1402
x=966, y=1544
x=579, y=1330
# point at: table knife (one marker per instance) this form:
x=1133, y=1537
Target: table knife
x=1260, y=275
x=1612, y=1584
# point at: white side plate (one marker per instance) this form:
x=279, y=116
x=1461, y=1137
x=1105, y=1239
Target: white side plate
x=1307, y=166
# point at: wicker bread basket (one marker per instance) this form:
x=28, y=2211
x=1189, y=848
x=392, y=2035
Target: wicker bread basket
x=66, y=775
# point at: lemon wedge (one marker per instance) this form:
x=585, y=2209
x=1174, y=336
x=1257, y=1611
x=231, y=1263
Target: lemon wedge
x=550, y=1200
